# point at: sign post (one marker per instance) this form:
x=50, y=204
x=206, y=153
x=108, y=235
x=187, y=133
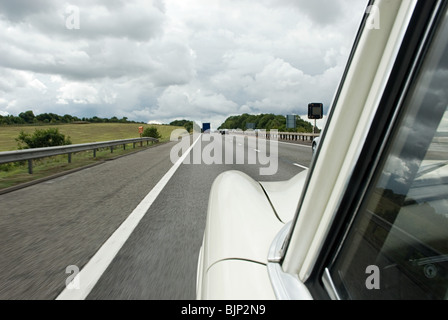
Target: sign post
x=291, y=122
x=140, y=131
x=315, y=111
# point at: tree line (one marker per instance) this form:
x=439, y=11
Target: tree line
x=265, y=122
x=187, y=124
x=28, y=117
x=52, y=137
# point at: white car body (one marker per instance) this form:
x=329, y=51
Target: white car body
x=265, y=240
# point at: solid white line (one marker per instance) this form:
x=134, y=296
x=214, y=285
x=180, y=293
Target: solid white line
x=295, y=144
x=300, y=166
x=93, y=270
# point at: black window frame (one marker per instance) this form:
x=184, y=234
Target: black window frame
x=411, y=55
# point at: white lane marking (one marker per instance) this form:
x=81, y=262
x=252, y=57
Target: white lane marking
x=93, y=270
x=295, y=144
x=300, y=166
x=256, y=150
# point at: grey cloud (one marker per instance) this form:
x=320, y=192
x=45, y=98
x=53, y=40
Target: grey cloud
x=140, y=21
x=169, y=59
x=321, y=12
x=97, y=22
x=17, y=10
x=141, y=24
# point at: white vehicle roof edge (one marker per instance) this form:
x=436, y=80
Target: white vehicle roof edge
x=376, y=52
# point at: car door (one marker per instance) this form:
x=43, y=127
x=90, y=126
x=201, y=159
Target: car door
x=379, y=229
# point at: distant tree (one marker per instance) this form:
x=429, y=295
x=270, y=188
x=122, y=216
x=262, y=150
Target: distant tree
x=266, y=122
x=27, y=116
x=151, y=132
x=55, y=118
x=187, y=124
x=303, y=126
x=67, y=118
x=10, y=119
x=17, y=120
x=42, y=138
x=43, y=117
x=275, y=123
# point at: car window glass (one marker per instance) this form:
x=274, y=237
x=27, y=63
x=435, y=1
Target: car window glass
x=397, y=246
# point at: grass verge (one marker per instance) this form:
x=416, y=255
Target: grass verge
x=13, y=174
x=83, y=133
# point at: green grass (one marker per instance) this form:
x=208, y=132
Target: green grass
x=15, y=173
x=82, y=133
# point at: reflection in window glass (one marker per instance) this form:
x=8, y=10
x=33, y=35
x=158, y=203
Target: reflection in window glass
x=402, y=226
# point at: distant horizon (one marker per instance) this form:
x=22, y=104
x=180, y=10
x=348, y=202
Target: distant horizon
x=320, y=122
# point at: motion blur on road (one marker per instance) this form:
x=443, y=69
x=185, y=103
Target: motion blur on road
x=42, y=236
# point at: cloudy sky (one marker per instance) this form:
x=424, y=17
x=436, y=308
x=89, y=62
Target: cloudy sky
x=163, y=60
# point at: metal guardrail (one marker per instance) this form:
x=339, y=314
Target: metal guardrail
x=37, y=153
x=285, y=136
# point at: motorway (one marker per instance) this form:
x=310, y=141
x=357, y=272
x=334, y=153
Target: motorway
x=68, y=220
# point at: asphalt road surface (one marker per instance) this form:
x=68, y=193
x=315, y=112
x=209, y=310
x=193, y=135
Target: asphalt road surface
x=63, y=222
